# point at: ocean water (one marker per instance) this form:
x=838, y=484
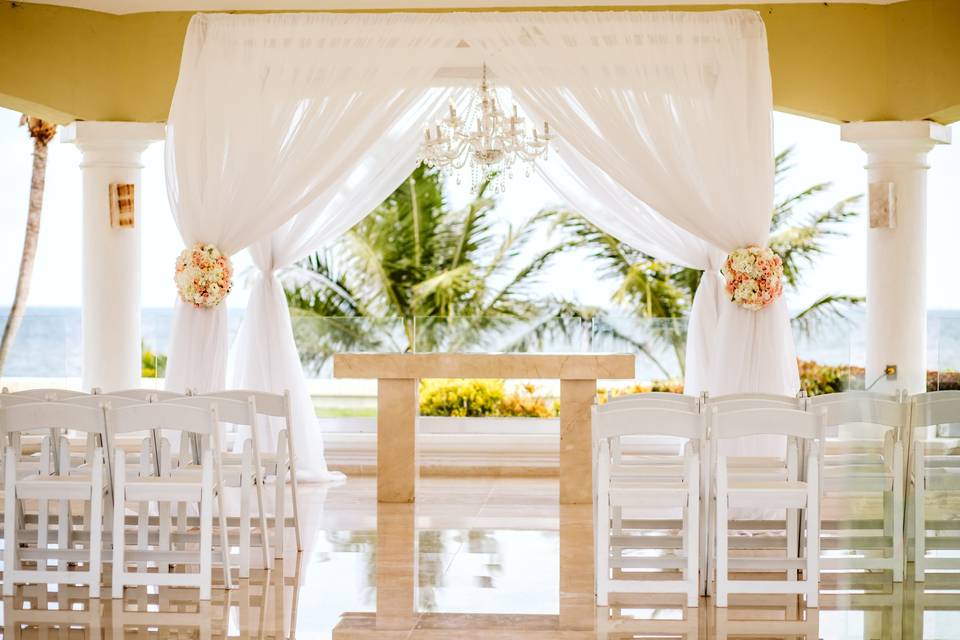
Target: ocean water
x=48, y=342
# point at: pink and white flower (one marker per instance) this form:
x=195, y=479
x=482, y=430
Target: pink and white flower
x=754, y=276
x=203, y=275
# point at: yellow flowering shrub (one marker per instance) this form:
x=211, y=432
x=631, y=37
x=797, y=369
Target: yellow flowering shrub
x=667, y=386
x=481, y=397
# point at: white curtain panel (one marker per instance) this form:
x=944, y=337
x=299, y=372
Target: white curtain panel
x=269, y=112
x=264, y=354
x=676, y=110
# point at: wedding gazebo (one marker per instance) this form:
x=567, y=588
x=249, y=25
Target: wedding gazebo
x=282, y=130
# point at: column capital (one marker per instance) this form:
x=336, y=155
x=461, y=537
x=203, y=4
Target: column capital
x=910, y=136
x=112, y=144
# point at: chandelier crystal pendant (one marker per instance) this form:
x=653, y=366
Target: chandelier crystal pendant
x=490, y=141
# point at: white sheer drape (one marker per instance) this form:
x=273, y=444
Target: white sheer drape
x=264, y=352
x=270, y=112
x=676, y=110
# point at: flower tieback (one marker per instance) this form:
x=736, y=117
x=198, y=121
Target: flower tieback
x=204, y=275
x=754, y=276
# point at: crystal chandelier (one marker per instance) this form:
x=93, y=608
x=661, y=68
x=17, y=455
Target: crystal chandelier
x=491, y=146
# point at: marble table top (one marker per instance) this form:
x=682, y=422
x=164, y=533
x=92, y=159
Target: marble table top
x=563, y=366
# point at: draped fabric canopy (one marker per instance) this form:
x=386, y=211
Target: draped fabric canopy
x=287, y=129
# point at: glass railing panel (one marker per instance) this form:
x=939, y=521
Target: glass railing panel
x=46, y=351
x=501, y=334
x=943, y=347
x=659, y=345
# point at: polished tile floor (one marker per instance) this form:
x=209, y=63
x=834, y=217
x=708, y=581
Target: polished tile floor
x=475, y=558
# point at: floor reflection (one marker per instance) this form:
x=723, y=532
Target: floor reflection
x=474, y=558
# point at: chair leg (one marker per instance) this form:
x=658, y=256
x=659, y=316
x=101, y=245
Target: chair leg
x=294, y=491
x=602, y=548
x=793, y=539
x=206, y=533
x=119, y=539
x=255, y=473
x=63, y=530
x=10, y=524
x=919, y=532
x=246, y=479
x=721, y=536
x=143, y=511
x=224, y=541
x=63, y=511
x=43, y=530
x=705, y=505
x=279, y=513
x=96, y=526
x=163, y=513
x=898, y=500
x=691, y=531
x=812, y=572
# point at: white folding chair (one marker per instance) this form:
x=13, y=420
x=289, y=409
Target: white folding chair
x=243, y=472
x=661, y=451
x=935, y=468
x=168, y=488
x=143, y=395
x=142, y=460
x=647, y=486
x=774, y=457
x=43, y=487
x=876, y=467
x=735, y=490
x=50, y=393
x=279, y=464
x=34, y=451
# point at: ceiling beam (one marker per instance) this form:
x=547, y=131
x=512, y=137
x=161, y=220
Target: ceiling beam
x=836, y=62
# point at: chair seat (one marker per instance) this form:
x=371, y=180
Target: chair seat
x=753, y=462
x=941, y=461
x=647, y=471
x=856, y=483
x=845, y=459
x=54, y=487
x=755, y=493
x=232, y=476
x=640, y=492
x=181, y=487
x=942, y=479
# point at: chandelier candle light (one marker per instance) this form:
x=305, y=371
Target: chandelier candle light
x=491, y=148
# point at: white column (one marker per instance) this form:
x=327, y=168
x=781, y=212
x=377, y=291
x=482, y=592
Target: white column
x=111, y=256
x=897, y=247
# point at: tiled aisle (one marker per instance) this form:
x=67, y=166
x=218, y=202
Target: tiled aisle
x=475, y=558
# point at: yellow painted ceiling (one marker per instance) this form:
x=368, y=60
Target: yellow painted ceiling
x=833, y=61
x=139, y=6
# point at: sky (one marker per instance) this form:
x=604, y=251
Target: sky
x=820, y=156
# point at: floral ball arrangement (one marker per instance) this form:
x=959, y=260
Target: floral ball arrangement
x=754, y=276
x=204, y=275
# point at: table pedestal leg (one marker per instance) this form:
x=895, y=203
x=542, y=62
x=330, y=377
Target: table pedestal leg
x=396, y=567
x=397, y=467
x=578, y=603
x=576, y=468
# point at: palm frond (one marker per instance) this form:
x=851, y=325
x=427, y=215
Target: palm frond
x=828, y=310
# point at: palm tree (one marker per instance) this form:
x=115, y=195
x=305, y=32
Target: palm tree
x=42, y=133
x=414, y=275
x=649, y=288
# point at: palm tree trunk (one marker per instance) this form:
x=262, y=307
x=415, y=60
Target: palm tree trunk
x=27, y=258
